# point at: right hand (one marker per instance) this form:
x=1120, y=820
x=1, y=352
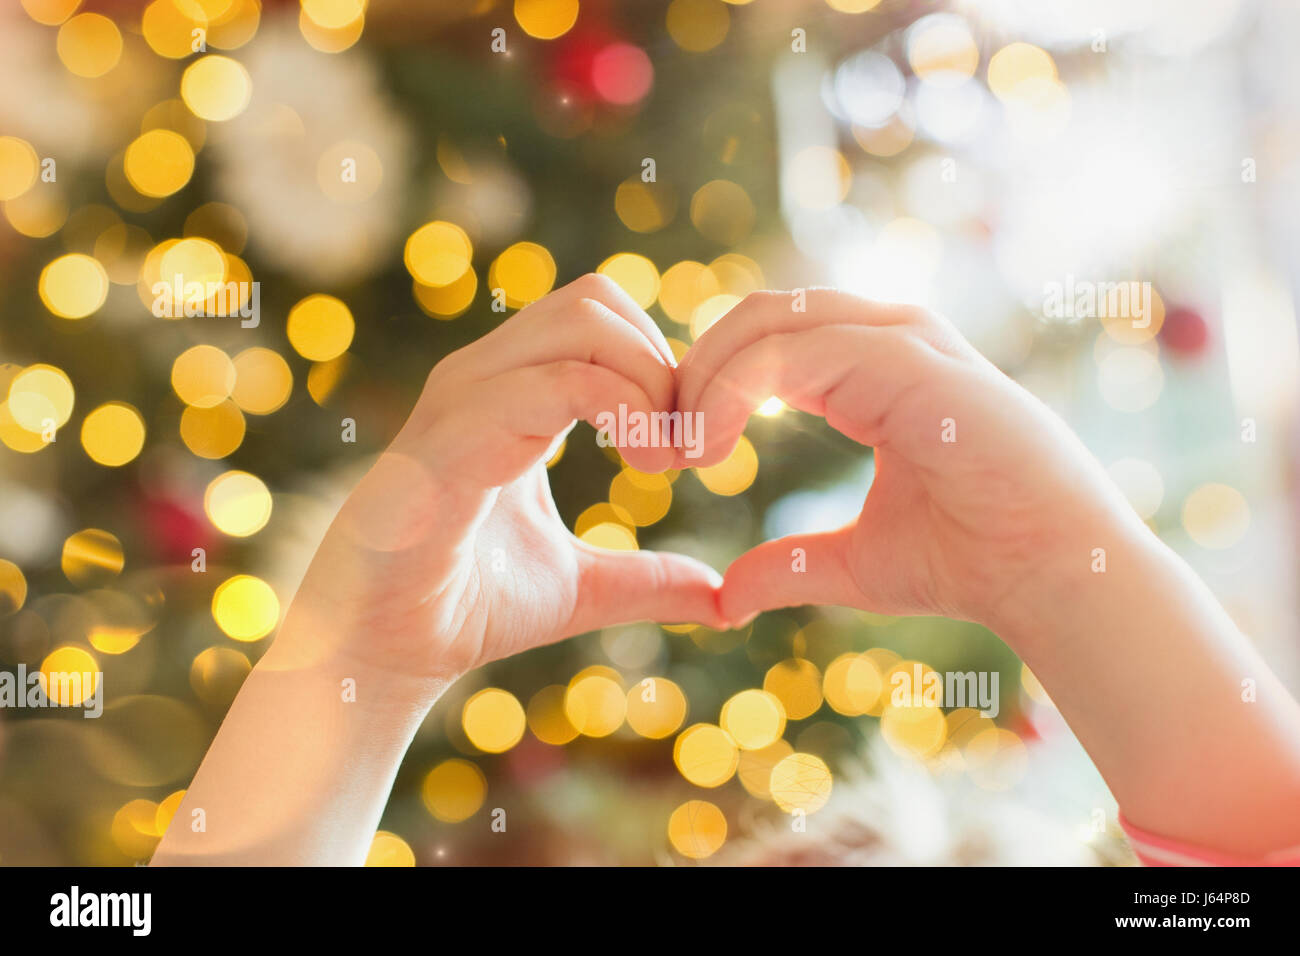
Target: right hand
x=979, y=489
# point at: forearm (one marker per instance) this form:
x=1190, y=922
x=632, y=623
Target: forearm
x=1149, y=671
x=301, y=769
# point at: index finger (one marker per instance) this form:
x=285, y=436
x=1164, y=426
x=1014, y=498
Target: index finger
x=761, y=314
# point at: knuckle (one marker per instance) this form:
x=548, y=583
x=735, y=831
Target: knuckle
x=593, y=284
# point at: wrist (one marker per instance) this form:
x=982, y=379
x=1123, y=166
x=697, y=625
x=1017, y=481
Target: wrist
x=345, y=655
x=1100, y=563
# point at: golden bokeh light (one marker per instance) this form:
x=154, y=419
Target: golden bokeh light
x=92, y=557
x=213, y=432
x=168, y=27
x=1216, y=516
x=167, y=808
x=438, y=253
x=755, y=769
x=263, y=381
x=120, y=617
x=236, y=25
x=797, y=684
x=1129, y=322
x=388, y=849
x=324, y=378
x=134, y=830
x=493, y=720
x=203, y=376
x=755, y=719
x=333, y=14
x=736, y=275
x=546, y=19
x=735, y=473
x=320, y=328
x=73, y=286
x=602, y=513
x=237, y=503
x=706, y=755
x=41, y=398
x=13, y=588
x=709, y=311
x=50, y=13
x=645, y=207
x=645, y=498
x=524, y=273
x=450, y=300
x=635, y=274
x=158, y=162
x=19, y=167
x=1017, y=64
x=113, y=434
x=698, y=25
x=217, y=673
x=245, y=608
x=595, y=705
x=721, y=210
x=684, y=286
x=853, y=685
x=697, y=829
x=216, y=87
x=801, y=781
x=69, y=676
x=852, y=6
x=656, y=707
x=328, y=39
x=942, y=49
x=546, y=717
x=454, y=790
x=194, y=265
x=89, y=44
x=610, y=536
x=911, y=730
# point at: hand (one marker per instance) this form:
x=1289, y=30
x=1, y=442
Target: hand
x=450, y=552
x=979, y=490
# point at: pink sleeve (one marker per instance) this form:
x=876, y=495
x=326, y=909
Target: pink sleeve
x=1154, y=850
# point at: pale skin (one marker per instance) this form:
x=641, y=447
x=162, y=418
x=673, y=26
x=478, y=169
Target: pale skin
x=450, y=554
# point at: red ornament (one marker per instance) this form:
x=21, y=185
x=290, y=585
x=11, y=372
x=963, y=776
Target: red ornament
x=1185, y=332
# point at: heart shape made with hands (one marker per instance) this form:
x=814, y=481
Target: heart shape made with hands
x=859, y=366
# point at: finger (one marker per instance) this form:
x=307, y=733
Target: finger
x=507, y=423
x=563, y=327
x=605, y=290
x=618, y=587
x=852, y=375
x=789, y=572
x=761, y=314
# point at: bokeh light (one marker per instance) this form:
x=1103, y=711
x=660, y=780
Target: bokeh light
x=245, y=607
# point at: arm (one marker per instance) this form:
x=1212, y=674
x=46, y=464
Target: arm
x=448, y=555
x=985, y=507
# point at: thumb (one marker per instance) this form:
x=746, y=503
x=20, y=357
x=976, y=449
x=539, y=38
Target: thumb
x=787, y=572
x=618, y=587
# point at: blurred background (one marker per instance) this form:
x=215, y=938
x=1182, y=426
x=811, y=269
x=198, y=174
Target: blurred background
x=379, y=168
